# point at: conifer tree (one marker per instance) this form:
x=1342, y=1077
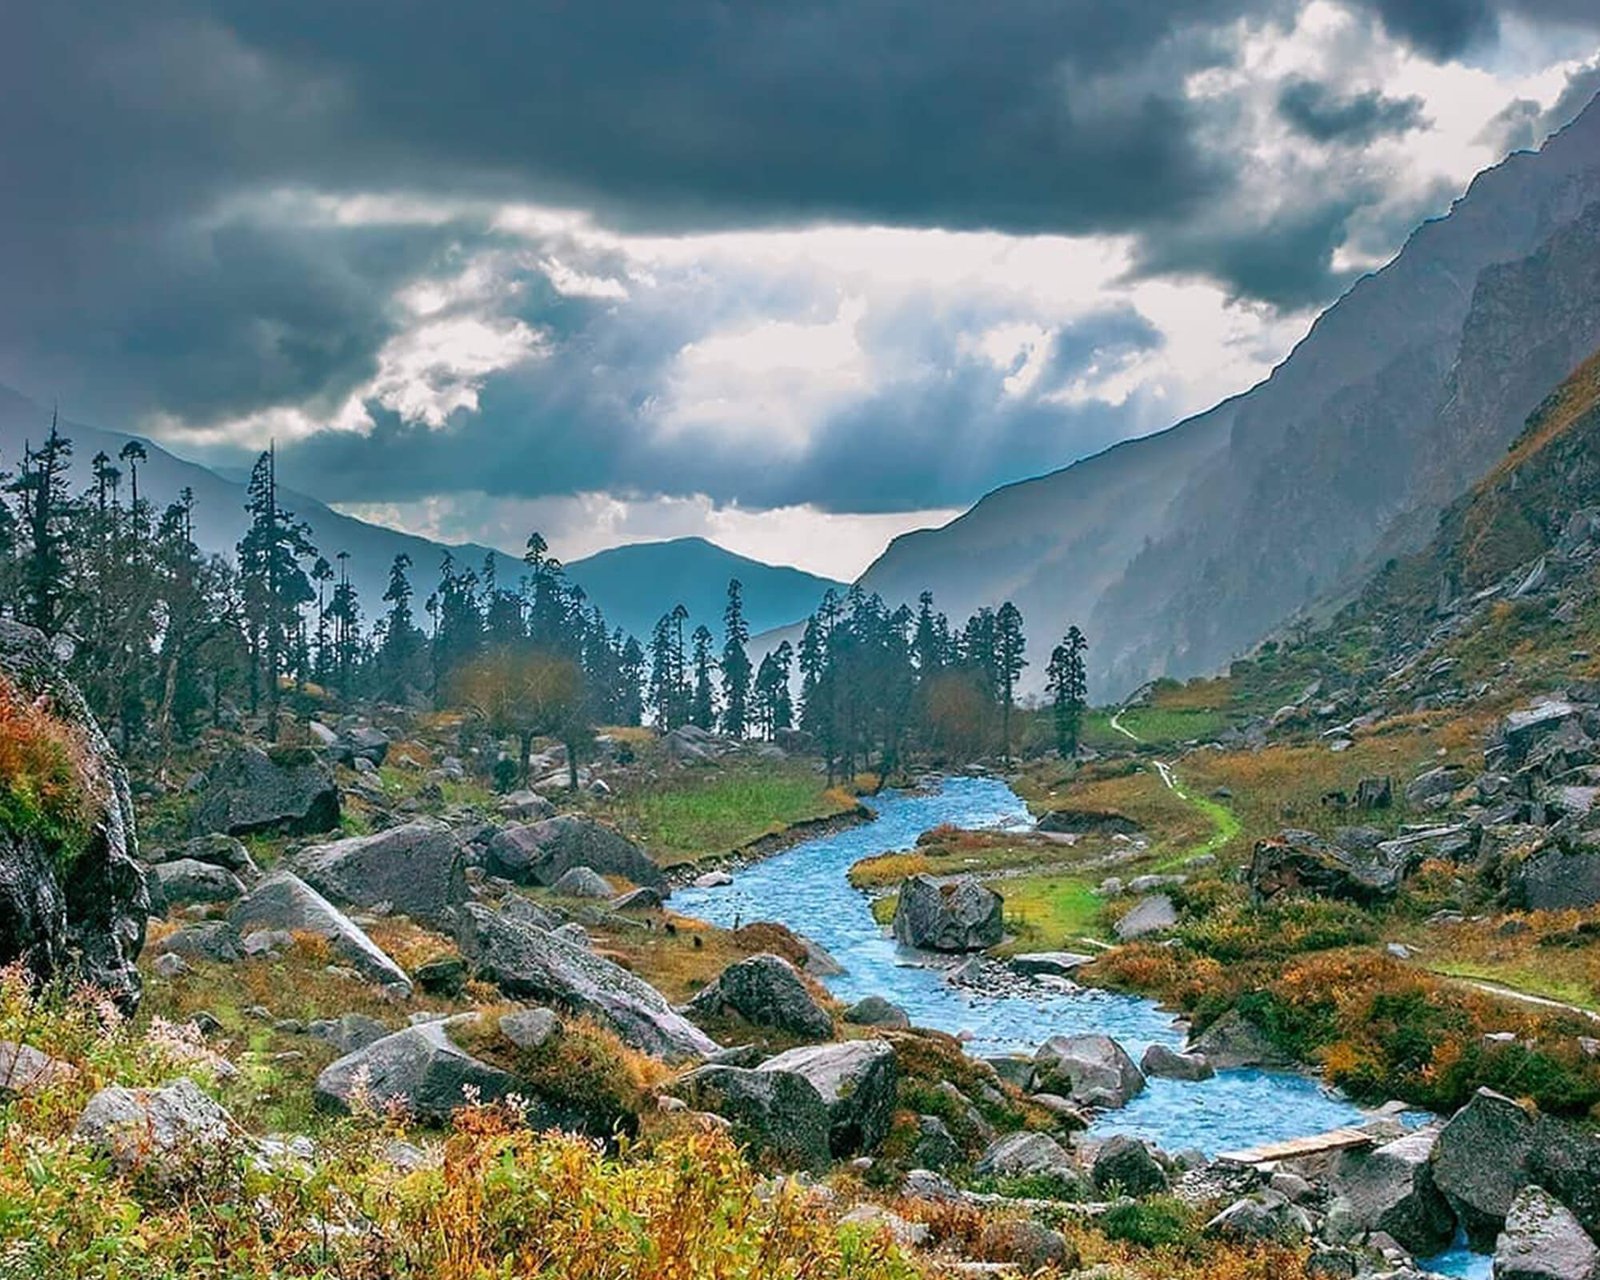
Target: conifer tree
x=735, y=664
x=1068, y=688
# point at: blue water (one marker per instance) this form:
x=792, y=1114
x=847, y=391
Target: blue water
x=805, y=888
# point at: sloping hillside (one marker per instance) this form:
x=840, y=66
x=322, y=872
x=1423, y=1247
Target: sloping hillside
x=1178, y=552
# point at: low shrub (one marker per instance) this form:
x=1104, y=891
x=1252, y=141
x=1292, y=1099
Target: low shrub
x=45, y=793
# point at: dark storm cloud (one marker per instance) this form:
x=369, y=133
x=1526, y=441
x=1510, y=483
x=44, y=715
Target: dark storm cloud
x=571, y=423
x=1320, y=113
x=144, y=270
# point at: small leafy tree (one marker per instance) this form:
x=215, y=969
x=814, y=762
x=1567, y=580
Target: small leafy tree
x=526, y=693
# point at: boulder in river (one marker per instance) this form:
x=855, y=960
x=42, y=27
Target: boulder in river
x=1233, y=1041
x=1480, y=1161
x=958, y=915
x=767, y=991
x=1391, y=1189
x=287, y=790
x=875, y=1011
x=1093, y=1070
x=1160, y=1062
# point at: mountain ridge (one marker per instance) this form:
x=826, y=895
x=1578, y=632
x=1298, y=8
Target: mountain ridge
x=1177, y=551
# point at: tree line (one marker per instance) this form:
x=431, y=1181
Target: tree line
x=167, y=638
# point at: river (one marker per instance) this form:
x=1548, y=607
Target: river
x=805, y=887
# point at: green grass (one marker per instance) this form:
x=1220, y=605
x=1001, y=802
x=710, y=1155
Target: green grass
x=1048, y=912
x=1154, y=726
x=704, y=813
x=1225, y=829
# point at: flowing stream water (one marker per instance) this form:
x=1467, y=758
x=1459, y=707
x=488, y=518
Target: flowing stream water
x=805, y=887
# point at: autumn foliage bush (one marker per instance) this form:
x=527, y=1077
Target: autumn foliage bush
x=44, y=788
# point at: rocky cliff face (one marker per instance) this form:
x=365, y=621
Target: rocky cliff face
x=71, y=906
x=1181, y=550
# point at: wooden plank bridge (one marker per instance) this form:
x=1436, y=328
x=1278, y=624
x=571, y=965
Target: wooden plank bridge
x=1298, y=1148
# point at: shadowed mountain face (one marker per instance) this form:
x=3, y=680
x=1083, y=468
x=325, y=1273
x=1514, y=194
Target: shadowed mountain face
x=633, y=585
x=1179, y=551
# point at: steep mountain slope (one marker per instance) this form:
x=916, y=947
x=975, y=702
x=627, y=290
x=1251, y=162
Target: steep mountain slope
x=634, y=585
x=1178, y=551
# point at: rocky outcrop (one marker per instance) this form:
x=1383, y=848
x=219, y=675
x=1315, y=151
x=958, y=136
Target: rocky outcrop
x=856, y=1081
x=1559, y=875
x=77, y=909
x=528, y=962
x=1301, y=862
x=1100, y=822
x=1391, y=1190
x=416, y=869
x=542, y=852
x=1092, y=1070
x=777, y=1115
x=767, y=991
x=284, y=901
x=959, y=915
x=1543, y=1241
x=287, y=790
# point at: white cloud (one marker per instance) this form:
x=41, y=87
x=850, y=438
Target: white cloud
x=828, y=543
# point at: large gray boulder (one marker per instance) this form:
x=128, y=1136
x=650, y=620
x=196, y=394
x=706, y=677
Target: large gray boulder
x=1022, y=1155
x=767, y=991
x=1125, y=1164
x=416, y=869
x=542, y=852
x=1160, y=1062
x=1560, y=875
x=1391, y=1189
x=856, y=1080
x=1522, y=731
x=1543, y=1241
x=778, y=1115
x=584, y=882
x=1301, y=862
x=1480, y=1161
x=284, y=901
x=1233, y=1041
x=1090, y=1069
x=184, y=881
x=161, y=1130
x=528, y=962
x=219, y=851
x=289, y=790
x=958, y=915
x=77, y=907
x=1154, y=913
x=419, y=1069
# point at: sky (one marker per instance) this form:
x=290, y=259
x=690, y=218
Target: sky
x=792, y=276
